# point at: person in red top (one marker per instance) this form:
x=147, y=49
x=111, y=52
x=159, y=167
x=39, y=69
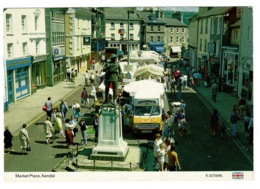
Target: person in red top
x=84, y=97
x=176, y=74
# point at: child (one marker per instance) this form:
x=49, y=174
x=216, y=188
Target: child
x=161, y=156
x=167, y=149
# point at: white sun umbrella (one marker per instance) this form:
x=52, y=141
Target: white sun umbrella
x=149, y=71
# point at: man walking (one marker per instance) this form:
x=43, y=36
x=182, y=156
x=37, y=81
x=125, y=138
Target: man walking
x=214, y=89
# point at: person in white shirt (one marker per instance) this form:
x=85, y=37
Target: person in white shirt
x=184, y=81
x=86, y=77
x=161, y=156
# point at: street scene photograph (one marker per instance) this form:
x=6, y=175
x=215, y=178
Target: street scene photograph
x=128, y=90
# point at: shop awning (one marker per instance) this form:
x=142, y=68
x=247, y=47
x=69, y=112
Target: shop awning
x=176, y=49
x=159, y=49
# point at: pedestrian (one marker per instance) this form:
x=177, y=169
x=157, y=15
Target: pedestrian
x=92, y=79
x=185, y=81
x=173, y=83
x=214, y=90
x=233, y=120
x=49, y=105
x=69, y=132
x=83, y=128
x=97, y=82
x=73, y=75
x=241, y=106
x=157, y=142
x=63, y=109
x=73, y=120
x=96, y=126
x=181, y=122
x=54, y=114
x=183, y=106
x=8, y=137
x=170, y=122
x=161, y=156
x=167, y=149
x=58, y=129
x=251, y=131
x=76, y=110
x=179, y=89
x=213, y=122
x=49, y=130
x=86, y=78
x=222, y=129
x=24, y=139
x=68, y=74
x=247, y=120
x=165, y=128
x=84, y=97
x=173, y=160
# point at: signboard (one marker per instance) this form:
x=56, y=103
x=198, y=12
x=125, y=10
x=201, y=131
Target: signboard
x=147, y=102
x=108, y=124
x=18, y=63
x=86, y=40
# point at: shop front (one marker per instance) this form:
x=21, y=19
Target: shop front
x=157, y=47
x=39, y=72
x=59, y=70
x=18, y=78
x=247, y=80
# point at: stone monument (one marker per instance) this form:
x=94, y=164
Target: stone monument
x=111, y=146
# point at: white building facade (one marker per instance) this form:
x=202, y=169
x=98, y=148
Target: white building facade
x=24, y=51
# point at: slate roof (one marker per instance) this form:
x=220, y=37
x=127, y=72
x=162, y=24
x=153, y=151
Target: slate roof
x=119, y=13
x=174, y=22
x=215, y=11
x=145, y=17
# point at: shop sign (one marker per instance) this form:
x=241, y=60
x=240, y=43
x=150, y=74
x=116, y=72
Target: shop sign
x=18, y=63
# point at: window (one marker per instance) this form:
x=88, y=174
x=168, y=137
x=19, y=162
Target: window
x=177, y=39
x=205, y=45
x=151, y=28
x=9, y=28
x=159, y=28
x=151, y=39
x=37, y=45
x=206, y=26
x=183, y=30
x=36, y=22
x=219, y=20
x=112, y=25
x=121, y=25
x=131, y=37
x=58, y=38
x=112, y=36
x=201, y=26
x=200, y=44
x=10, y=50
x=25, y=49
x=131, y=26
x=212, y=26
x=217, y=48
x=171, y=39
x=182, y=39
x=235, y=35
x=121, y=36
x=24, y=23
x=57, y=17
x=177, y=30
x=171, y=29
x=158, y=38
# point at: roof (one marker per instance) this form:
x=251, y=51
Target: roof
x=148, y=18
x=215, y=11
x=174, y=22
x=119, y=13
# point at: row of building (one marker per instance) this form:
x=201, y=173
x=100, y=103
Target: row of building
x=221, y=44
x=40, y=44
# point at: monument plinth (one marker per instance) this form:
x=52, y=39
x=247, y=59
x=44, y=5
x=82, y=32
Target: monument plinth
x=111, y=146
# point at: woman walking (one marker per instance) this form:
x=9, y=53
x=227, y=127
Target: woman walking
x=24, y=139
x=76, y=110
x=8, y=139
x=83, y=128
x=49, y=130
x=69, y=132
x=63, y=109
x=49, y=105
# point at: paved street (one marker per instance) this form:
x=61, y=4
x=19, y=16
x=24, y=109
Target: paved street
x=197, y=145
